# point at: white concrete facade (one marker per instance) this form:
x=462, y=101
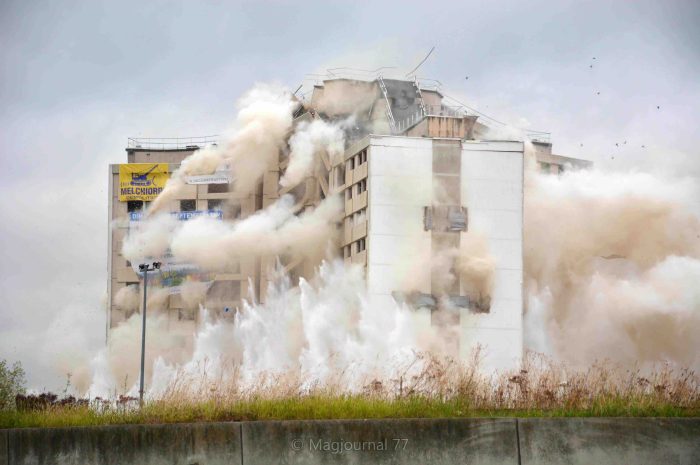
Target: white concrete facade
x=401, y=184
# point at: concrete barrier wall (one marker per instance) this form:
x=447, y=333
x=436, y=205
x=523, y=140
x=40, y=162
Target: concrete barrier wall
x=610, y=440
x=597, y=441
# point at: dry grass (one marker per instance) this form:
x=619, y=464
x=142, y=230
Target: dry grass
x=429, y=387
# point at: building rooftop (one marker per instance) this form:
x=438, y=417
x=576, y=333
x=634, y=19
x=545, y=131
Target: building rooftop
x=170, y=144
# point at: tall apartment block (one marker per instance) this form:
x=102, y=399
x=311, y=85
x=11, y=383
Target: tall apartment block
x=417, y=176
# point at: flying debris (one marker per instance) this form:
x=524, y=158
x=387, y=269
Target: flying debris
x=581, y=145
x=591, y=66
x=625, y=142
x=467, y=78
x=597, y=93
x=644, y=146
x=658, y=107
x=594, y=58
x=616, y=144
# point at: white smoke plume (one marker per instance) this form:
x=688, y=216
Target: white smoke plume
x=307, y=141
x=276, y=230
x=193, y=293
x=263, y=123
x=327, y=332
x=116, y=368
x=612, y=263
x=149, y=238
x=127, y=298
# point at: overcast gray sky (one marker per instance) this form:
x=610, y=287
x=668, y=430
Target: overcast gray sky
x=78, y=78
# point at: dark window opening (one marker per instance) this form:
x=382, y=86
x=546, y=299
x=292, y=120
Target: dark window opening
x=217, y=188
x=441, y=218
x=214, y=204
x=134, y=205
x=188, y=205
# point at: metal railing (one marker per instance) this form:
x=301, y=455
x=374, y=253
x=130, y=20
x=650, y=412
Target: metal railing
x=431, y=110
x=171, y=143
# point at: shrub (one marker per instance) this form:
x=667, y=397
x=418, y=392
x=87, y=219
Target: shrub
x=12, y=383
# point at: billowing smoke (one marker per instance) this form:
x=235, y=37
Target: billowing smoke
x=476, y=267
x=306, y=141
x=610, y=266
x=127, y=298
x=276, y=230
x=260, y=132
x=116, y=368
x=612, y=263
x=149, y=238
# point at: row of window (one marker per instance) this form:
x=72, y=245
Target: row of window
x=356, y=189
x=357, y=160
x=360, y=216
x=547, y=167
x=187, y=205
x=357, y=246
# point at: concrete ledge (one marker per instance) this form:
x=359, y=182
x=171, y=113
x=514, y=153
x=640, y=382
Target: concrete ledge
x=4, y=452
x=406, y=441
x=603, y=441
x=185, y=444
x=598, y=441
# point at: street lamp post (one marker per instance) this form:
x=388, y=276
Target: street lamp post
x=144, y=267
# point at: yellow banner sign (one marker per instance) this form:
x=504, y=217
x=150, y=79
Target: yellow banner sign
x=142, y=181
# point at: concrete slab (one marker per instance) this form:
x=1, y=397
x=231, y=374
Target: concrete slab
x=415, y=441
x=603, y=441
x=4, y=452
x=183, y=444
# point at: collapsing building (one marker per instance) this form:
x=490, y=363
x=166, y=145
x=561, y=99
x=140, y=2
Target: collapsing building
x=433, y=210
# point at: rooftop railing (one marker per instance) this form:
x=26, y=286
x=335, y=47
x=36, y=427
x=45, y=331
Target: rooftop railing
x=171, y=143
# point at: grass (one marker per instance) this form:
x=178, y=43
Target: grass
x=433, y=388
x=316, y=408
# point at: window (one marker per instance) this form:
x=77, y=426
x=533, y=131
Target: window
x=128, y=264
x=347, y=251
x=457, y=218
x=352, y=163
x=348, y=194
x=214, y=204
x=362, y=157
x=361, y=186
x=339, y=175
x=188, y=205
x=360, y=245
x=427, y=218
x=134, y=205
x=217, y=188
x=441, y=218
